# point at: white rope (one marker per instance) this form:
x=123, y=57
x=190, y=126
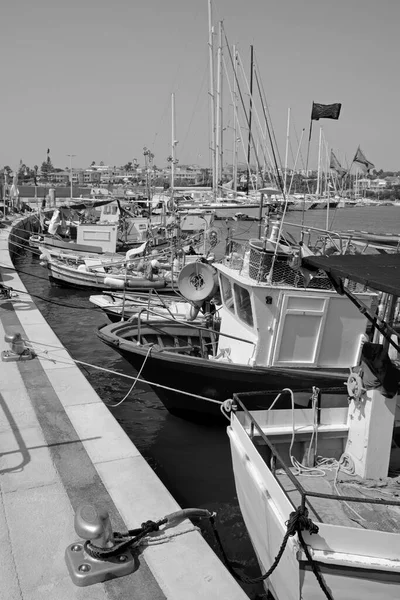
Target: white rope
x=134, y=383
x=165, y=537
x=81, y=362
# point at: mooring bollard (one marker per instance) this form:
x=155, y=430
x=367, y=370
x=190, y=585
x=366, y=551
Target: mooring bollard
x=83, y=559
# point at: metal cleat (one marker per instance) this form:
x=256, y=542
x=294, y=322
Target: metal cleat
x=19, y=350
x=93, y=525
x=6, y=292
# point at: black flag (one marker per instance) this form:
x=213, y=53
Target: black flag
x=361, y=159
x=325, y=111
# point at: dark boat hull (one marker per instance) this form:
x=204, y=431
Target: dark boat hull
x=184, y=379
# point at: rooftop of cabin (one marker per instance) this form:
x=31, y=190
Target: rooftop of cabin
x=253, y=264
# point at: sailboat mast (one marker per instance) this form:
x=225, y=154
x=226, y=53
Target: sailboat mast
x=173, y=144
x=286, y=150
x=250, y=116
x=235, y=146
x=319, y=164
x=220, y=84
x=218, y=125
x=212, y=99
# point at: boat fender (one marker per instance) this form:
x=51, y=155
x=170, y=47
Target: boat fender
x=275, y=231
x=114, y=283
x=83, y=269
x=43, y=257
x=194, y=311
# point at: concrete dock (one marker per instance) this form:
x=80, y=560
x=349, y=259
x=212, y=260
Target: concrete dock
x=60, y=447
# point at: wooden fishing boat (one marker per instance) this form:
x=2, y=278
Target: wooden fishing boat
x=120, y=307
x=270, y=329
x=103, y=275
x=328, y=478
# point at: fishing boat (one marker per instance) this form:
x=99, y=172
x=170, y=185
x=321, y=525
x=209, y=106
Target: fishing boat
x=108, y=274
x=275, y=324
x=318, y=488
x=119, y=307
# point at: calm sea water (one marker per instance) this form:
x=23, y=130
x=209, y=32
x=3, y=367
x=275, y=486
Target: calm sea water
x=193, y=461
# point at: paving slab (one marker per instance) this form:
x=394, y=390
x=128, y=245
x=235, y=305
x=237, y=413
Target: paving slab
x=60, y=447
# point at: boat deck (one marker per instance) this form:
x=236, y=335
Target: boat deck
x=378, y=517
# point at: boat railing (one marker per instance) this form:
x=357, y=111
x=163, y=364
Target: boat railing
x=253, y=429
x=213, y=333
x=276, y=269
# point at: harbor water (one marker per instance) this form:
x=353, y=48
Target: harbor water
x=193, y=461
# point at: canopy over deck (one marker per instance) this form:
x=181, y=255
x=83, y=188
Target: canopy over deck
x=379, y=272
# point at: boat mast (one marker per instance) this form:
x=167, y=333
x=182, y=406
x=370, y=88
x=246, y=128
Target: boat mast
x=250, y=116
x=286, y=151
x=218, y=125
x=317, y=193
x=212, y=99
x=148, y=161
x=327, y=190
x=235, y=145
x=173, y=144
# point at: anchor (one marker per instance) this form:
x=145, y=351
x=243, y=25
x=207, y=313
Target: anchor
x=93, y=525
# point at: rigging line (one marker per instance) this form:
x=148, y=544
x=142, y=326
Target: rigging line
x=24, y=247
x=54, y=301
x=242, y=102
x=263, y=147
x=194, y=109
x=24, y=272
x=178, y=72
x=240, y=129
x=200, y=328
x=271, y=138
x=263, y=95
x=112, y=372
x=236, y=114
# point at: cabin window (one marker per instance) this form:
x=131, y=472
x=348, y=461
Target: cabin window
x=227, y=294
x=243, y=304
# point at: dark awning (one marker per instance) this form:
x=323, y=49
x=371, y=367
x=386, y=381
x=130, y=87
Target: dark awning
x=377, y=271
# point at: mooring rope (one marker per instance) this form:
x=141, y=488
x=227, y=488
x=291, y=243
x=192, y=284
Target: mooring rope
x=298, y=521
x=46, y=354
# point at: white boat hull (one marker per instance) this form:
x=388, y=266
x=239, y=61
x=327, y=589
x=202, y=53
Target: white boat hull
x=363, y=566
x=228, y=210
x=69, y=276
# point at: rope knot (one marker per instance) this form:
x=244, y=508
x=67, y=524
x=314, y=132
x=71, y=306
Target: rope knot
x=150, y=526
x=299, y=521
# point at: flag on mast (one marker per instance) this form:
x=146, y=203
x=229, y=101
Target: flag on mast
x=361, y=159
x=336, y=166
x=325, y=111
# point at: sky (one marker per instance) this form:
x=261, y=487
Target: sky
x=95, y=78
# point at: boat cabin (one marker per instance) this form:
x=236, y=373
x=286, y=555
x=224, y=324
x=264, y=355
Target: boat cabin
x=286, y=323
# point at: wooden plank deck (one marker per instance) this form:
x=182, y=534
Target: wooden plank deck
x=349, y=514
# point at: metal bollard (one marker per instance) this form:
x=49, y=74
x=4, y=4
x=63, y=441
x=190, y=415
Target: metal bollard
x=18, y=349
x=93, y=525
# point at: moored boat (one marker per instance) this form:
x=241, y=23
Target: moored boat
x=270, y=329
x=318, y=488
x=119, y=307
